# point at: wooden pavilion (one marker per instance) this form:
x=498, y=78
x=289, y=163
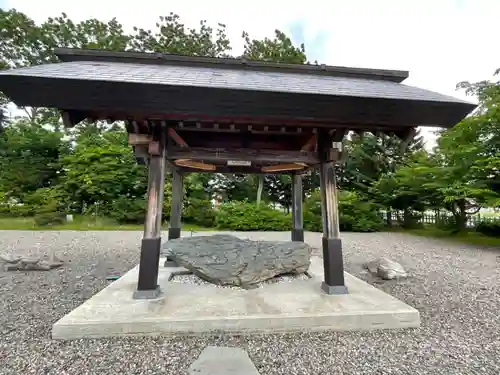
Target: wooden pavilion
x=197, y=114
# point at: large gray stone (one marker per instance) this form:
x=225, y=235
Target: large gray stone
x=229, y=260
x=386, y=269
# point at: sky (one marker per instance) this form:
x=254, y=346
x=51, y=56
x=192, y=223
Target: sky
x=440, y=42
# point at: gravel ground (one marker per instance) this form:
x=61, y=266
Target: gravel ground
x=455, y=287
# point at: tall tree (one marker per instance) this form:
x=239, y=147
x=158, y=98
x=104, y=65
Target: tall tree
x=372, y=156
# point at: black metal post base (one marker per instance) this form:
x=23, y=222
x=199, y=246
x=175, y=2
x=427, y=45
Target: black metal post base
x=174, y=233
x=147, y=287
x=298, y=235
x=333, y=267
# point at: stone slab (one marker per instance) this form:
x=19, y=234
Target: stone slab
x=186, y=309
x=215, y=360
x=229, y=260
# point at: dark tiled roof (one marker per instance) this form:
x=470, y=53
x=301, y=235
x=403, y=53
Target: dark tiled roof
x=128, y=84
x=232, y=79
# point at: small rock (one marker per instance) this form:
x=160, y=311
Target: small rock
x=386, y=269
x=28, y=264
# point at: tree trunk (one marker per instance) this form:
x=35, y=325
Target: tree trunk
x=260, y=189
x=388, y=218
x=462, y=216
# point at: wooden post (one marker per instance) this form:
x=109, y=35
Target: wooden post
x=147, y=287
x=174, y=230
x=297, y=217
x=332, y=244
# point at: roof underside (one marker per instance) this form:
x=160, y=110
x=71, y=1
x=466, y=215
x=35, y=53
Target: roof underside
x=125, y=85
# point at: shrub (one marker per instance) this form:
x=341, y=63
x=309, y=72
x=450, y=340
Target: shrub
x=313, y=220
x=49, y=214
x=126, y=210
x=246, y=216
x=489, y=228
x=49, y=218
x=447, y=223
x=412, y=220
x=355, y=214
x=16, y=210
x=199, y=212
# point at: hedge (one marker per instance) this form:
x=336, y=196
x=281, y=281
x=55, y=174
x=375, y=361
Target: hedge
x=246, y=216
x=355, y=214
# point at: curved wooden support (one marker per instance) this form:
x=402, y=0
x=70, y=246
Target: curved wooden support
x=283, y=167
x=195, y=164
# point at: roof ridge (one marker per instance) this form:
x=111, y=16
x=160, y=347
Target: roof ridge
x=158, y=58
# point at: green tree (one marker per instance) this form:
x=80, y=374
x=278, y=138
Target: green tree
x=100, y=169
x=280, y=49
x=372, y=156
x=29, y=158
x=171, y=36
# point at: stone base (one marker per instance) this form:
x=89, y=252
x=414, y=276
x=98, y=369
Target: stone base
x=333, y=289
x=147, y=294
x=187, y=309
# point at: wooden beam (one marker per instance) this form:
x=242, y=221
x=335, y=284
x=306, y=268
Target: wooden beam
x=151, y=243
x=297, y=216
x=334, y=282
x=235, y=140
x=225, y=169
x=174, y=228
x=139, y=139
x=177, y=138
x=310, y=144
x=259, y=156
x=72, y=118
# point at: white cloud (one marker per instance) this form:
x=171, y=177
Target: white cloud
x=440, y=42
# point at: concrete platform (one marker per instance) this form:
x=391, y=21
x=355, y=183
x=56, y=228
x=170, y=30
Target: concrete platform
x=186, y=309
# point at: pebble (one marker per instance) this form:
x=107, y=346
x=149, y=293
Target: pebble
x=455, y=287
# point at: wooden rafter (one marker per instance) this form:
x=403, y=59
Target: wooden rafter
x=189, y=163
x=258, y=156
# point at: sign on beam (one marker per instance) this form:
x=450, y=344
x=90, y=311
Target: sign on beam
x=239, y=163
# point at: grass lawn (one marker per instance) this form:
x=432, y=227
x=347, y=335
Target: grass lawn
x=82, y=223
x=471, y=237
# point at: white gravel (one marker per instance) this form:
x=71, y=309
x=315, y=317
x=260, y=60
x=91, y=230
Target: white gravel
x=193, y=279
x=455, y=287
